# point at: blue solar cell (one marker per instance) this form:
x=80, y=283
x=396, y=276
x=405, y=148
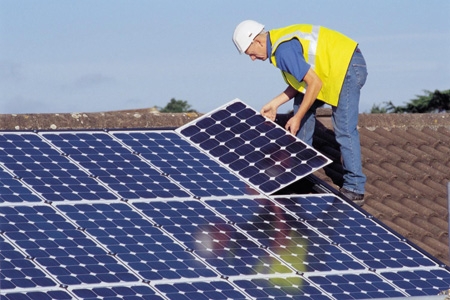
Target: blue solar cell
x=208, y=235
x=123, y=231
x=109, y=161
x=16, y=271
x=13, y=190
x=181, y=161
x=347, y=227
x=420, y=282
x=281, y=233
x=356, y=286
x=41, y=248
x=243, y=134
x=37, y=170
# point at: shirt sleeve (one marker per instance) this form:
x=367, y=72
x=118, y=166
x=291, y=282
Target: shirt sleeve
x=289, y=58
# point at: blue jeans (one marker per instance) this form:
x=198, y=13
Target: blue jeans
x=345, y=121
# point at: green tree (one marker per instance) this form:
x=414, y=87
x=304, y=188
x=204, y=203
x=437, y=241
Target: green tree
x=431, y=102
x=387, y=108
x=177, y=106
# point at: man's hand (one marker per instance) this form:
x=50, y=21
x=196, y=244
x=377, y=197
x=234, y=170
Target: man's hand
x=293, y=125
x=269, y=111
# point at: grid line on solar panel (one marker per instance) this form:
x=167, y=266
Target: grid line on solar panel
x=217, y=242
x=184, y=163
x=116, y=166
x=46, y=171
x=136, y=241
x=355, y=233
x=255, y=148
x=54, y=244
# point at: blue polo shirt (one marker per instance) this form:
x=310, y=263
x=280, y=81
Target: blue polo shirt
x=289, y=58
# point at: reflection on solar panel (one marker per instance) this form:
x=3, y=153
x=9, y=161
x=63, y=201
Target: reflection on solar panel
x=143, y=214
x=258, y=150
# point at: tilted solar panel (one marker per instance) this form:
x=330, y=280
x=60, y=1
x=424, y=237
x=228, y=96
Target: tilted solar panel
x=257, y=149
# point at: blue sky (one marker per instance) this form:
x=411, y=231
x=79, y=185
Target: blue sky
x=102, y=55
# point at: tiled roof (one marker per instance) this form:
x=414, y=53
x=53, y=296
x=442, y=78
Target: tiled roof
x=406, y=159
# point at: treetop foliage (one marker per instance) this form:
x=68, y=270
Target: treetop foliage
x=177, y=106
x=431, y=102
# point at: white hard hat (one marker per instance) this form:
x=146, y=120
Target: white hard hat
x=244, y=34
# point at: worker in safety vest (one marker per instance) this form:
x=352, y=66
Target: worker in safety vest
x=320, y=66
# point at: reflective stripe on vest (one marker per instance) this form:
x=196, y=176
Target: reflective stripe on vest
x=311, y=37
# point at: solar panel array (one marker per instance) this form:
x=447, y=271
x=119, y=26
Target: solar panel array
x=144, y=214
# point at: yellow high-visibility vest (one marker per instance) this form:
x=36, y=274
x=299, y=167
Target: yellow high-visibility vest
x=327, y=51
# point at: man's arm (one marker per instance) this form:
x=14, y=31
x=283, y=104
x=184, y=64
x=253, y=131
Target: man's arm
x=314, y=84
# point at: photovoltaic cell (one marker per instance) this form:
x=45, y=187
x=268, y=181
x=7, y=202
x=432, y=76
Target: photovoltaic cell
x=51, y=175
x=419, y=282
x=354, y=232
x=136, y=241
x=115, y=165
x=13, y=190
x=281, y=233
x=209, y=236
x=16, y=271
x=184, y=163
x=255, y=148
x=58, y=247
x=356, y=286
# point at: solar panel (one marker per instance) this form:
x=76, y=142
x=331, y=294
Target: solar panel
x=13, y=190
x=142, y=214
x=60, y=248
x=255, y=247
x=136, y=241
x=184, y=163
x=257, y=149
x=114, y=165
x=18, y=271
x=49, y=173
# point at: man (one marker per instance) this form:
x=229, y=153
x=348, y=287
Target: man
x=320, y=66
